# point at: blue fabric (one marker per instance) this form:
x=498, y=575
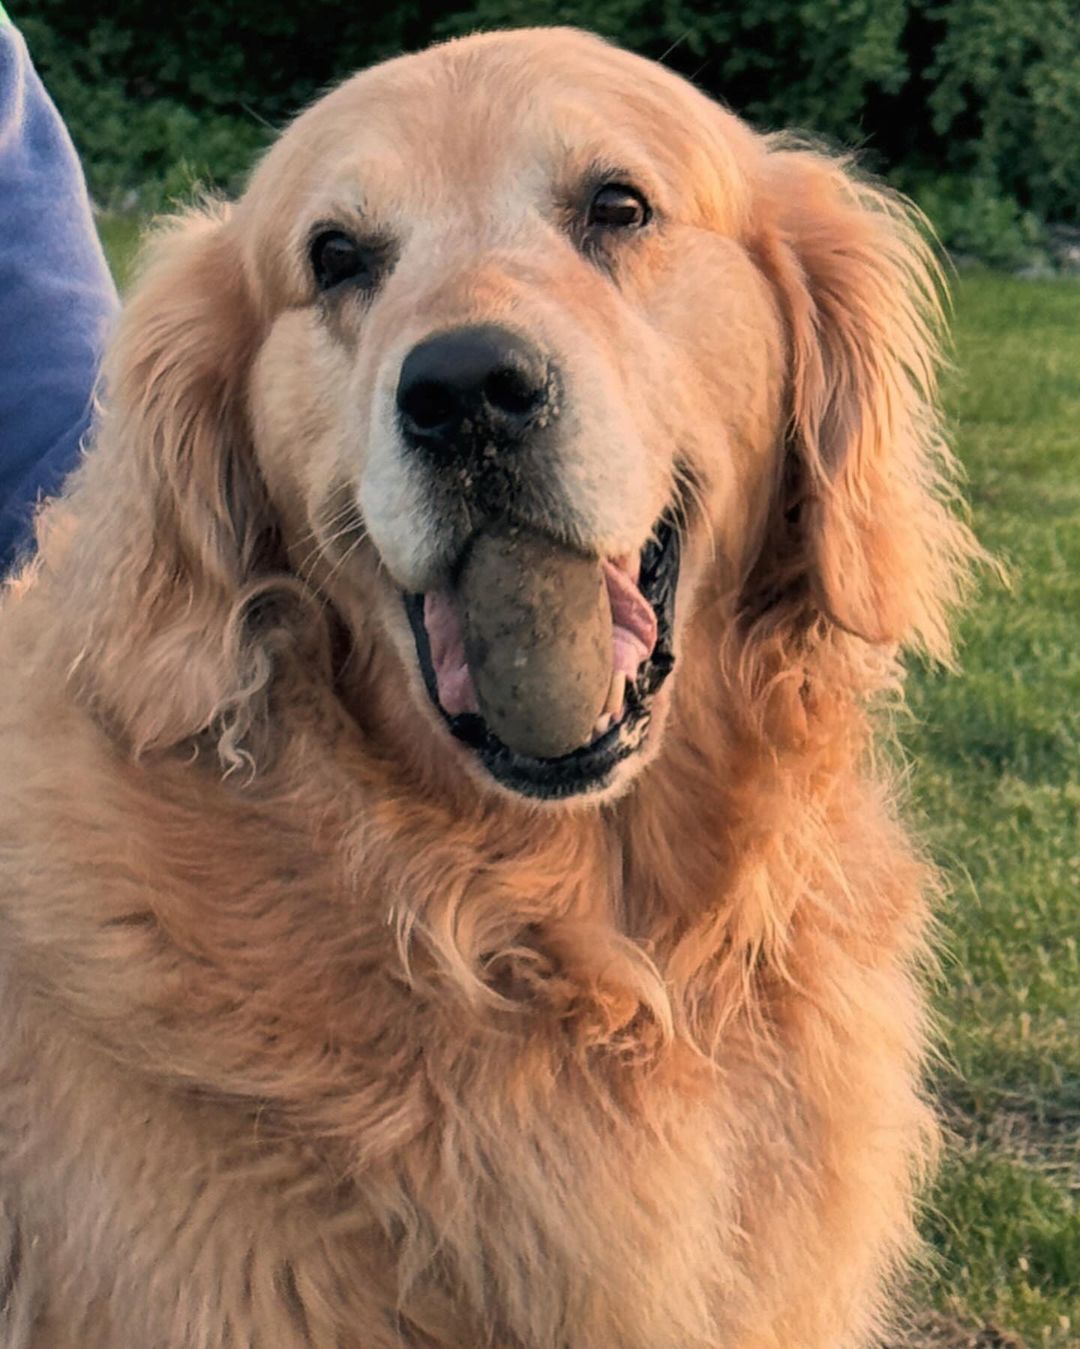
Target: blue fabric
x=57, y=299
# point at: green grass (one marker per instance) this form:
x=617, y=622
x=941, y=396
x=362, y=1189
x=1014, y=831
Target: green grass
x=997, y=755
x=997, y=785
x=120, y=237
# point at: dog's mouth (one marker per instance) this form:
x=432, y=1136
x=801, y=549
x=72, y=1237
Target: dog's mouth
x=640, y=593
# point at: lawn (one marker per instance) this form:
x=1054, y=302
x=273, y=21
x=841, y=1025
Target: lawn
x=996, y=753
x=997, y=780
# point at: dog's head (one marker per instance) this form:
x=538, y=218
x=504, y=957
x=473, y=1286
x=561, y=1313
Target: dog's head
x=526, y=287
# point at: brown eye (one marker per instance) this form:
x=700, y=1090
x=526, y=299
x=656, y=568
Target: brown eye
x=335, y=257
x=618, y=207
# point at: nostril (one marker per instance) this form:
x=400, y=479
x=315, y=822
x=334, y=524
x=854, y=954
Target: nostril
x=428, y=405
x=512, y=392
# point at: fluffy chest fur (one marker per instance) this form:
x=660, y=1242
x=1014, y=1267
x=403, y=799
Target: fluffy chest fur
x=302, y=1074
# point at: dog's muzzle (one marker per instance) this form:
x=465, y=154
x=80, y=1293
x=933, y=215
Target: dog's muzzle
x=478, y=411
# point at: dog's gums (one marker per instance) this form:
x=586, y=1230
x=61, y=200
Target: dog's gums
x=590, y=767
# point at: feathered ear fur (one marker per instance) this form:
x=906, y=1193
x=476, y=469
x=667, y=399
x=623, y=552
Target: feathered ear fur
x=173, y=528
x=868, y=486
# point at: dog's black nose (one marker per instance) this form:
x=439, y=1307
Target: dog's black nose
x=476, y=386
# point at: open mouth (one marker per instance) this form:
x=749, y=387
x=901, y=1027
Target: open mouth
x=642, y=655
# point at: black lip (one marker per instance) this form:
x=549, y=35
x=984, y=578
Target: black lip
x=590, y=768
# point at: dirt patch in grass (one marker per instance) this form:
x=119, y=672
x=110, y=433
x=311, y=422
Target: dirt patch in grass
x=934, y=1331
x=1041, y=1135
x=1047, y=1143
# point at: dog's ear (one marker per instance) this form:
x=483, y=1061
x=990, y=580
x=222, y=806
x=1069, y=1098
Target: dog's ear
x=173, y=526
x=869, y=482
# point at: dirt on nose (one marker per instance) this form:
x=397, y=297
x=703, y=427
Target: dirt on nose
x=538, y=638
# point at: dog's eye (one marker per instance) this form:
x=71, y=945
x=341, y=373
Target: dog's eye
x=617, y=207
x=335, y=258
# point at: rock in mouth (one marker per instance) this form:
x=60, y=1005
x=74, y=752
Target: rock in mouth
x=545, y=662
x=539, y=640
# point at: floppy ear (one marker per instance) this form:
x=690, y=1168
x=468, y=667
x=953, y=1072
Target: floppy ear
x=869, y=479
x=173, y=527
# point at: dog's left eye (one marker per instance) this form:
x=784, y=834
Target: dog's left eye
x=335, y=257
x=617, y=207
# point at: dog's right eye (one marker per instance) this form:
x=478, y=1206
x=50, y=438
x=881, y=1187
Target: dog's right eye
x=335, y=257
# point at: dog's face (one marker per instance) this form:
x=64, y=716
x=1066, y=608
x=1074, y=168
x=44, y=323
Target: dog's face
x=527, y=296
x=506, y=281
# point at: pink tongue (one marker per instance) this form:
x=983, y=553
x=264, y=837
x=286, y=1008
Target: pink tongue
x=632, y=619
x=633, y=634
x=446, y=636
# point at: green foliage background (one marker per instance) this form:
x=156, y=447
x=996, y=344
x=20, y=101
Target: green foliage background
x=971, y=105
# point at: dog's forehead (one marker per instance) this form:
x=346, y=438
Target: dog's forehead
x=493, y=83
x=496, y=115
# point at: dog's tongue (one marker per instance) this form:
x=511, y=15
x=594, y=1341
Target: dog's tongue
x=446, y=638
x=633, y=622
x=633, y=640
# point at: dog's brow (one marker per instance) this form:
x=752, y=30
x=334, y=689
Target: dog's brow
x=348, y=218
x=585, y=173
x=336, y=212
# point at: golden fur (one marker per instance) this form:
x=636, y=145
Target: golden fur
x=312, y=1036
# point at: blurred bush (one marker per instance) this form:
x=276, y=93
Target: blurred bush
x=973, y=104
x=978, y=222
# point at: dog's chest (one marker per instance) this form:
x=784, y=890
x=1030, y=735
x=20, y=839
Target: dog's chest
x=551, y=1202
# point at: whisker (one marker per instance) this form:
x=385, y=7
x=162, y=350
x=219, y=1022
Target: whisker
x=341, y=523
x=677, y=43
x=691, y=501
x=347, y=554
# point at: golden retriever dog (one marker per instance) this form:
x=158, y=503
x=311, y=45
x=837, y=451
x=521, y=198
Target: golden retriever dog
x=345, y=1005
